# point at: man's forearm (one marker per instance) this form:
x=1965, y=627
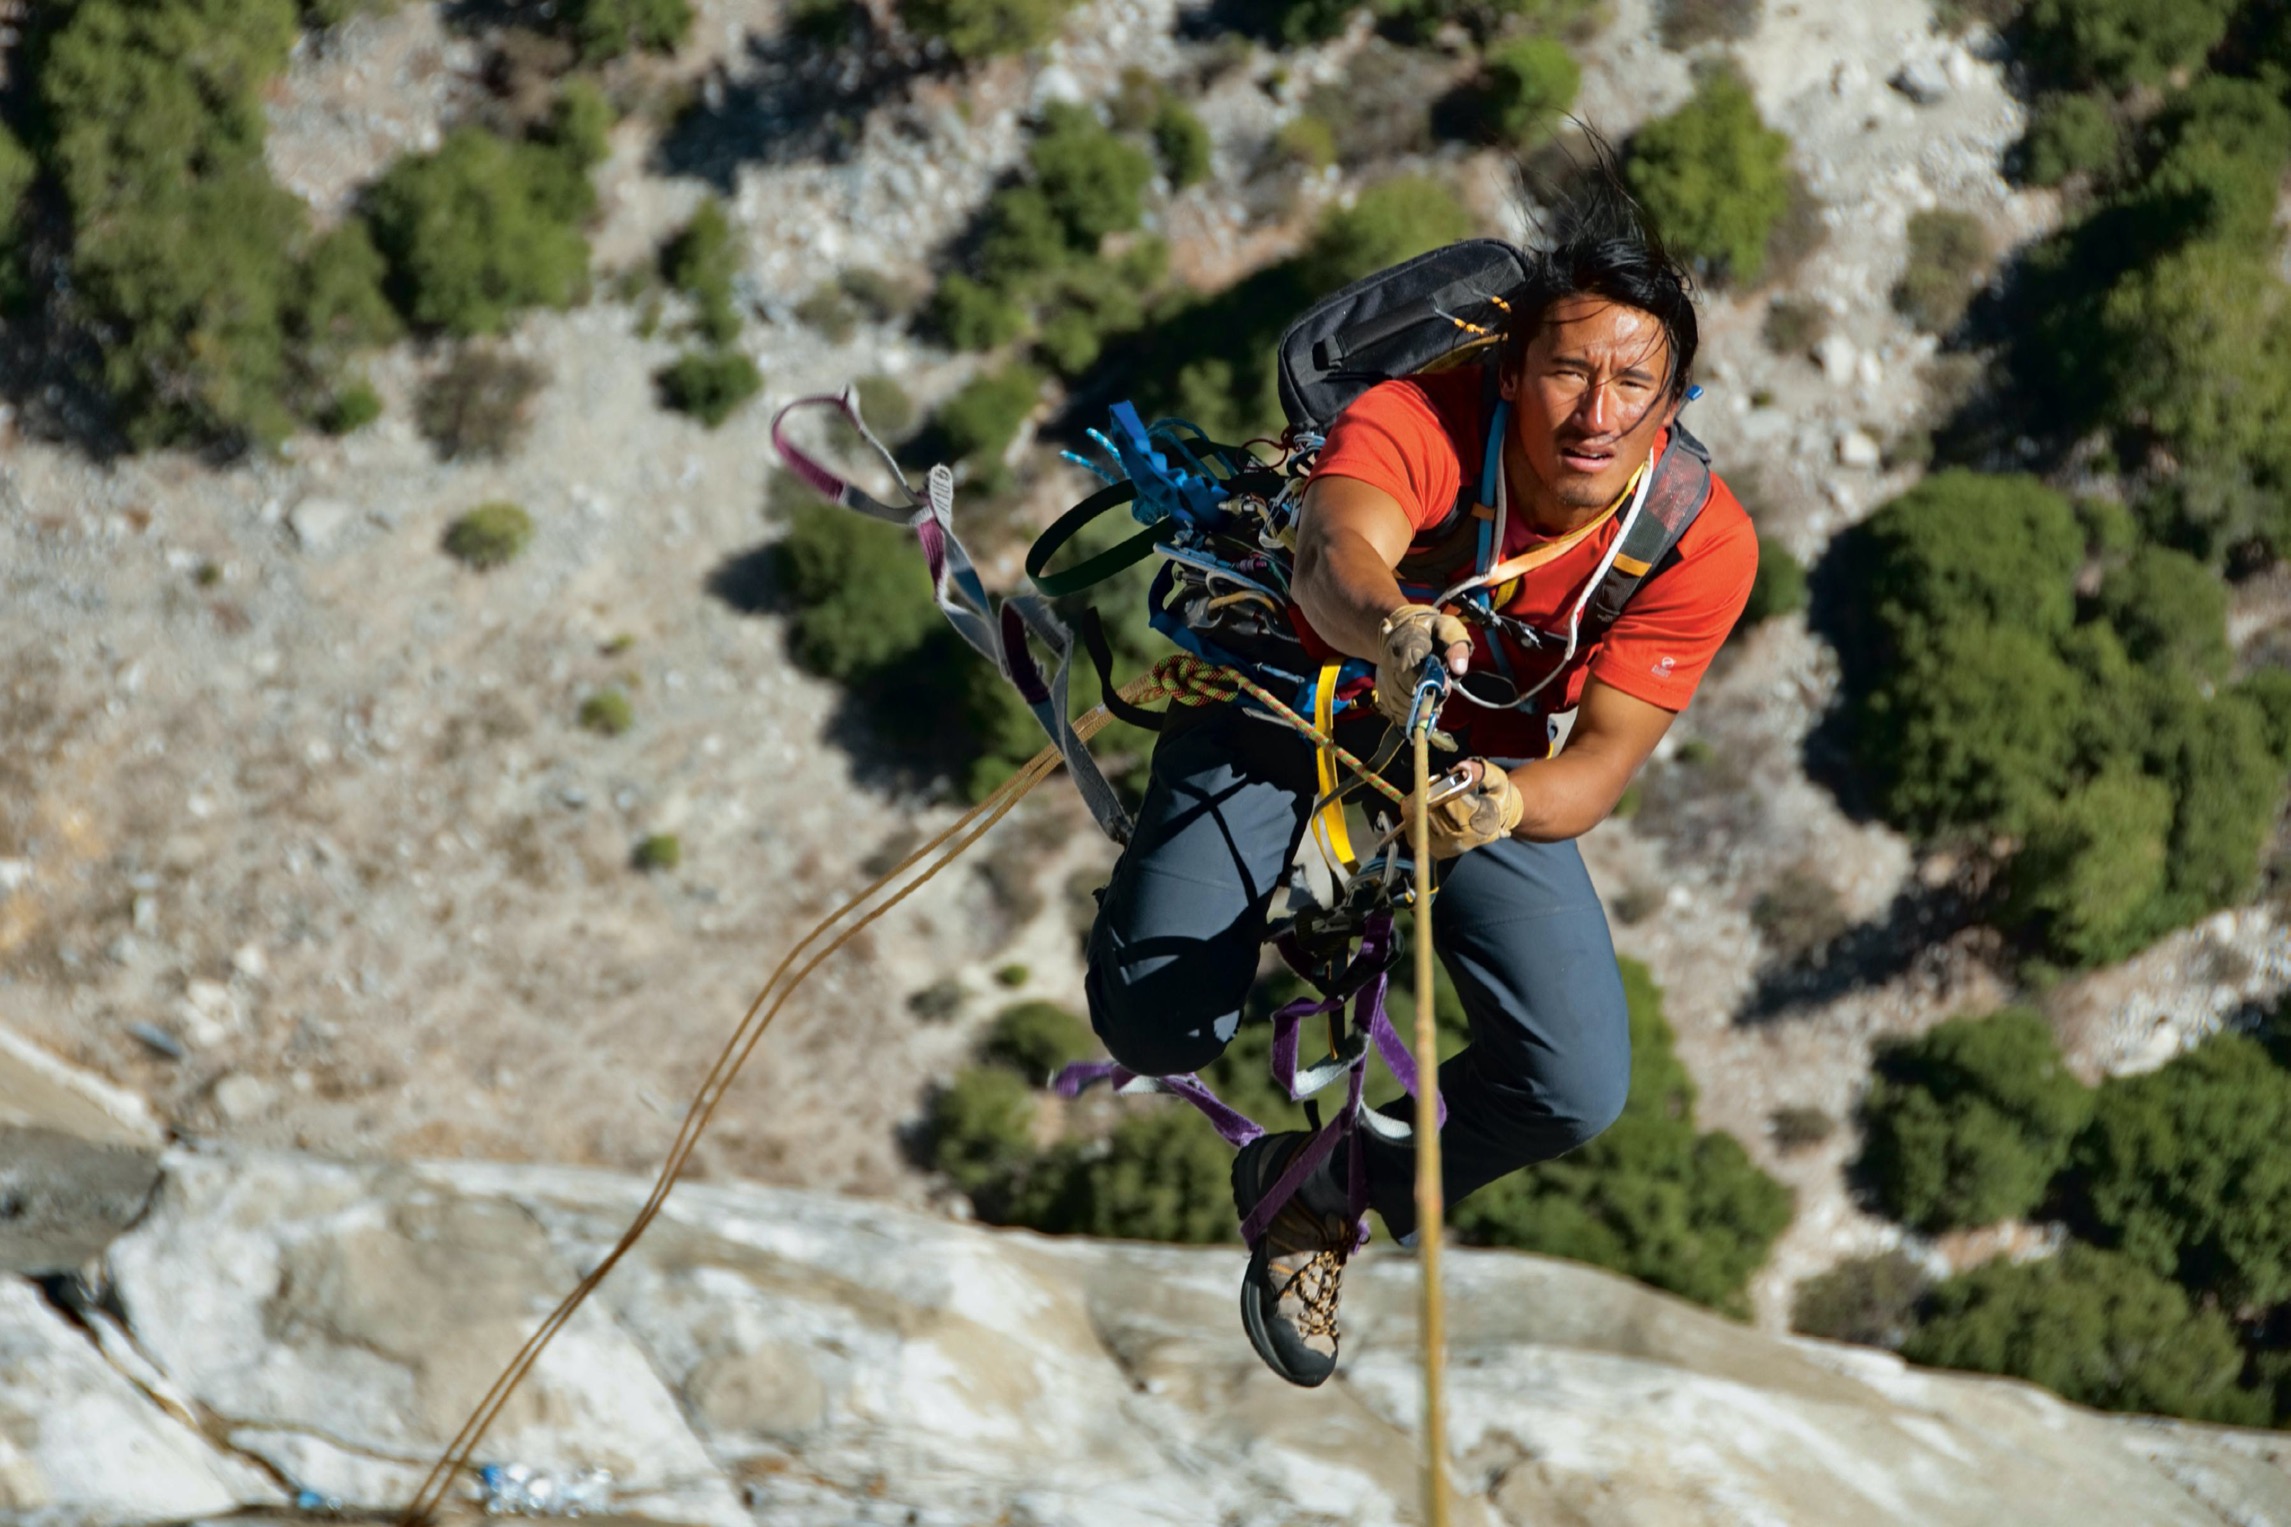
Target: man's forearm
x=1346, y=588
x=1565, y=797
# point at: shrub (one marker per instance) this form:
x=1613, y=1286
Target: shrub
x=861, y=596
x=1714, y=178
x=2169, y=611
x=1799, y=1127
x=18, y=169
x=353, y=408
x=980, y=1133
x=604, y=29
x=976, y=29
x=1091, y=178
x=2092, y=867
x=1652, y=1198
x=661, y=851
x=978, y=423
x=480, y=229
x=607, y=713
x=2070, y=134
x=1307, y=140
x=338, y=305
x=1967, y=1124
x=2119, y=42
x=1165, y=1175
x=702, y=262
x=1528, y=83
x=710, y=385
x=489, y=536
x=2098, y=1329
x=1947, y=251
x=2268, y=692
x=884, y=404
x=1035, y=1039
x=1868, y=1300
x=1779, y=588
x=1689, y=23
x=938, y=1002
x=2183, y=1171
x=321, y=14
x=1794, y=325
x=969, y=315
x=481, y=404
x=1419, y=21
x=1013, y=975
x=183, y=251
x=1182, y=143
x=1800, y=914
x=830, y=312
x=1391, y=221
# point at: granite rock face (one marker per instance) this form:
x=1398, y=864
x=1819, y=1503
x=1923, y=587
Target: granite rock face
x=278, y=1322
x=78, y=1161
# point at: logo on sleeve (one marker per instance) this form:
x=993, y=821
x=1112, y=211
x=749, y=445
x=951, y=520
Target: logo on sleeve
x=1664, y=667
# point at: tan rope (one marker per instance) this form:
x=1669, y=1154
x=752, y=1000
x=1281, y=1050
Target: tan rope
x=1431, y=1205
x=1184, y=679
x=966, y=830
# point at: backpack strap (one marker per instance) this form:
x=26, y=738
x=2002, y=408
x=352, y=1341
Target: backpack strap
x=1468, y=528
x=1680, y=489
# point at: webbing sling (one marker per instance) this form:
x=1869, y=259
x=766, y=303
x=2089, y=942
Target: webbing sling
x=997, y=633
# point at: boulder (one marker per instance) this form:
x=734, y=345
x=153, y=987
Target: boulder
x=78, y=1159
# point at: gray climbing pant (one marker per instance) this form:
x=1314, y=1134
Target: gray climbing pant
x=1175, y=949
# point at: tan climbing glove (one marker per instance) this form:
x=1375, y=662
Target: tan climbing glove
x=1411, y=634
x=1487, y=811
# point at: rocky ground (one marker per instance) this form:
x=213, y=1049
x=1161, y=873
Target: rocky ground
x=280, y=1327
x=300, y=841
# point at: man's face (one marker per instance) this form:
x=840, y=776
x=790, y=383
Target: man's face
x=1590, y=396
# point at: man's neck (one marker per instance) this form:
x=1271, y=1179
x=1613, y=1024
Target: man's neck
x=1533, y=501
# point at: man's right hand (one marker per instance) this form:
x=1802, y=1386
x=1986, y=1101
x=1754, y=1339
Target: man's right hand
x=1409, y=636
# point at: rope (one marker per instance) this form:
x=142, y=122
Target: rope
x=1188, y=680
x=965, y=831
x=1430, y=1207
x=1183, y=679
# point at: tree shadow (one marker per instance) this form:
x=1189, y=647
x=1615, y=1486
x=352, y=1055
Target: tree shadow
x=750, y=582
x=1911, y=934
x=793, y=101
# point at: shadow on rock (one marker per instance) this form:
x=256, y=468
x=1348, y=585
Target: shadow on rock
x=1916, y=933
x=795, y=101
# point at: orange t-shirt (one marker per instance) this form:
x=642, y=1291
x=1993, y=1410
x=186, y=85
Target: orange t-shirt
x=1418, y=437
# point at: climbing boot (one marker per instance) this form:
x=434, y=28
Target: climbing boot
x=1288, y=1296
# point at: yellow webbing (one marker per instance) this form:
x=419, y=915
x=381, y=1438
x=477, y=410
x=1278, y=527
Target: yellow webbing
x=1335, y=839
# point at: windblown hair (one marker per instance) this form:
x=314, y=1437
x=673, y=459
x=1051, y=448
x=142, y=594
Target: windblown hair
x=1591, y=238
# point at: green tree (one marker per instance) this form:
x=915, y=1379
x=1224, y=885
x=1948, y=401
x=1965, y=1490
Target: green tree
x=1947, y=251
x=710, y=385
x=2070, y=134
x=702, y=262
x=2268, y=692
x=1714, y=177
x=1869, y=1300
x=1391, y=221
x=1181, y=141
x=18, y=169
x=480, y=229
x=1780, y=587
x=2119, y=42
x=979, y=1132
x=2088, y=879
x=1967, y=1123
x=861, y=596
x=1035, y=1039
x=2096, y=1328
x=1529, y=83
x=1650, y=1197
x=2183, y=1170
x=976, y=29
x=1092, y=178
x=604, y=29
x=977, y=424
x=2169, y=611
x=1164, y=1175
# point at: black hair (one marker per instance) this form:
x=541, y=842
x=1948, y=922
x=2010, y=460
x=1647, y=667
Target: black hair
x=1590, y=237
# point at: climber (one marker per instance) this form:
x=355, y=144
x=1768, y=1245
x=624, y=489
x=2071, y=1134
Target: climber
x=1573, y=419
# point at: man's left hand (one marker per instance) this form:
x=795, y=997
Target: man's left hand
x=1487, y=810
